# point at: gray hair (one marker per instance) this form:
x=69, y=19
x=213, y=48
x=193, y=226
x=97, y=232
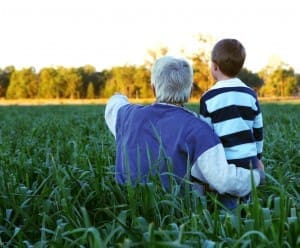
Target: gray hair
x=172, y=79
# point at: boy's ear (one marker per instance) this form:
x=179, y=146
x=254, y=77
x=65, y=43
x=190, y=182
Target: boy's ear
x=214, y=66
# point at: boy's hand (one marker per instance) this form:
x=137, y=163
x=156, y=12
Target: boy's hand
x=261, y=169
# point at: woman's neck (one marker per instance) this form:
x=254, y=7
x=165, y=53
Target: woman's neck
x=172, y=103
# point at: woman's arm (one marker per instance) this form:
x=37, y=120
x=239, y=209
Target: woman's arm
x=211, y=167
x=111, y=110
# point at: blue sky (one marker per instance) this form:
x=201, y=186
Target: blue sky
x=102, y=33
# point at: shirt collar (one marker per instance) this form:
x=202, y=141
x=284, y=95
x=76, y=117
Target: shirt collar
x=232, y=82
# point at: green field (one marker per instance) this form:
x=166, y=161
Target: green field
x=58, y=188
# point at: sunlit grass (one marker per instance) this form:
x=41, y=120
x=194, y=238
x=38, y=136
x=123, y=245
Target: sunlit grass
x=58, y=188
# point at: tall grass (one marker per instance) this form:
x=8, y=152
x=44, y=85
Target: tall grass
x=58, y=188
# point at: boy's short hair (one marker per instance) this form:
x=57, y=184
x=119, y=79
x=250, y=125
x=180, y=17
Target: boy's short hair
x=229, y=55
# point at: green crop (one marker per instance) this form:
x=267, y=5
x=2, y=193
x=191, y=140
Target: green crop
x=58, y=188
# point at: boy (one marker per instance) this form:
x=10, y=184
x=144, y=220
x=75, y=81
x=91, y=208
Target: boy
x=232, y=109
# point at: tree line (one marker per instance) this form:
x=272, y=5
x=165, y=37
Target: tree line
x=134, y=81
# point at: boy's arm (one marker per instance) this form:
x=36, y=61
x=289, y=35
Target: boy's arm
x=204, y=115
x=261, y=168
x=211, y=167
x=111, y=110
x=258, y=132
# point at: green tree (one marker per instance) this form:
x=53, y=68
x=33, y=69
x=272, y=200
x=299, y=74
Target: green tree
x=297, y=75
x=90, y=91
x=280, y=80
x=86, y=73
x=251, y=79
x=71, y=81
x=23, y=84
x=202, y=77
x=5, y=79
x=121, y=80
x=142, y=81
x=62, y=84
x=48, y=83
x=153, y=55
x=201, y=65
x=99, y=79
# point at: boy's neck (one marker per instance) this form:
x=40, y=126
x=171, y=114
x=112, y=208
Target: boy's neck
x=222, y=77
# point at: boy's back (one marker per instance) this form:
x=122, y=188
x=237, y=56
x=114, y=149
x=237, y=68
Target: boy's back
x=233, y=111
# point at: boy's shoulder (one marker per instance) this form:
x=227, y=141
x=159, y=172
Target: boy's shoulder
x=229, y=85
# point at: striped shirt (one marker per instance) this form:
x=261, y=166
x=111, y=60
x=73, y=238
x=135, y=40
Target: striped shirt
x=232, y=109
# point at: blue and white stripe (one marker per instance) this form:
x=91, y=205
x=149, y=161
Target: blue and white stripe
x=226, y=99
x=233, y=111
